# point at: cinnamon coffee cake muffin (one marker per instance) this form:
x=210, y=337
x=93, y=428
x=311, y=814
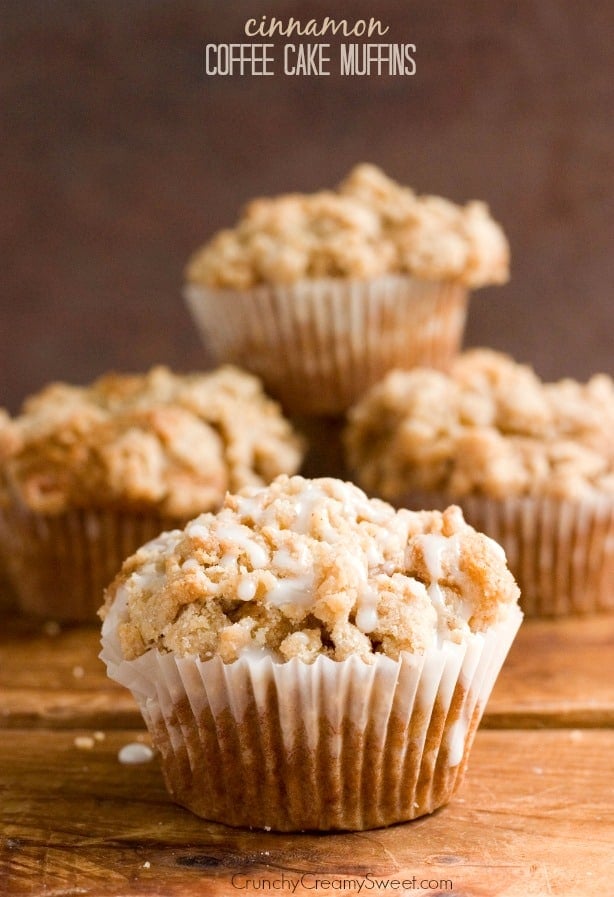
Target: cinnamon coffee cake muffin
x=87, y=474
x=321, y=294
x=309, y=658
x=531, y=464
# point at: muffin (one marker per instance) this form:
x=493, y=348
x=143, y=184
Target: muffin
x=87, y=474
x=309, y=658
x=322, y=294
x=530, y=463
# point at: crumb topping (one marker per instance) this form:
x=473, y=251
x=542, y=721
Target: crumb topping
x=159, y=440
x=491, y=426
x=368, y=226
x=309, y=567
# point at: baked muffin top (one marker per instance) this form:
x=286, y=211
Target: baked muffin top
x=368, y=226
x=163, y=441
x=308, y=567
x=491, y=426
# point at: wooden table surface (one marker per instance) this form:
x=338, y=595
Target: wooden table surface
x=535, y=815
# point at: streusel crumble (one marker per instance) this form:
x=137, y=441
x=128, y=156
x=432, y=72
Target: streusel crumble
x=160, y=440
x=306, y=568
x=490, y=427
x=369, y=226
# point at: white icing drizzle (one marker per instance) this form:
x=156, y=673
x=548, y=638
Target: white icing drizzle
x=296, y=590
x=366, y=600
x=366, y=613
x=191, y=566
x=433, y=548
x=246, y=589
x=197, y=530
x=250, y=507
x=134, y=753
x=147, y=580
x=306, y=504
x=239, y=535
x=286, y=562
x=456, y=742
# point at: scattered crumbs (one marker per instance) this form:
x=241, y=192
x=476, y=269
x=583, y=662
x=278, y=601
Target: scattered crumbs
x=84, y=742
x=52, y=627
x=78, y=672
x=135, y=753
x=576, y=735
x=99, y=736
x=538, y=770
x=146, y=865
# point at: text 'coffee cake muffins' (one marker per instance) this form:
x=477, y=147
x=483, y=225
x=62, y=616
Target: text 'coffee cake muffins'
x=321, y=294
x=530, y=463
x=87, y=474
x=308, y=658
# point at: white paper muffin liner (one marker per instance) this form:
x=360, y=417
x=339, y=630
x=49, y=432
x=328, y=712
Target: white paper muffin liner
x=319, y=345
x=59, y=565
x=329, y=745
x=560, y=551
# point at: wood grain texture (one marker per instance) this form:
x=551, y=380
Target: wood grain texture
x=558, y=673
x=555, y=675
x=534, y=816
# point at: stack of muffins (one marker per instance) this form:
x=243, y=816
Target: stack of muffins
x=336, y=650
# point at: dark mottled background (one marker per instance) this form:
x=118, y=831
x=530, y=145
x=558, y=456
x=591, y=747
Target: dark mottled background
x=119, y=157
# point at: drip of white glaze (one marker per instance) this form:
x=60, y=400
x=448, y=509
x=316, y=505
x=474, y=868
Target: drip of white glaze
x=366, y=614
x=240, y=535
x=297, y=590
x=434, y=547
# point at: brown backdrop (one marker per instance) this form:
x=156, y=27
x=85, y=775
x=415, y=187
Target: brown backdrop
x=119, y=157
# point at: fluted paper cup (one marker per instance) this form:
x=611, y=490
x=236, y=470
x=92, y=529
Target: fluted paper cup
x=319, y=345
x=329, y=745
x=59, y=565
x=560, y=551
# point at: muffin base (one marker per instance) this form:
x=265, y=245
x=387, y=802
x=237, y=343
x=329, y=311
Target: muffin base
x=331, y=745
x=319, y=345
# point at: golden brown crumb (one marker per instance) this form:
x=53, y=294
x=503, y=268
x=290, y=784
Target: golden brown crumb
x=368, y=227
x=309, y=567
x=172, y=442
x=489, y=427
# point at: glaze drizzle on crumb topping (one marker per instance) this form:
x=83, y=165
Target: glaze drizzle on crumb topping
x=309, y=567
